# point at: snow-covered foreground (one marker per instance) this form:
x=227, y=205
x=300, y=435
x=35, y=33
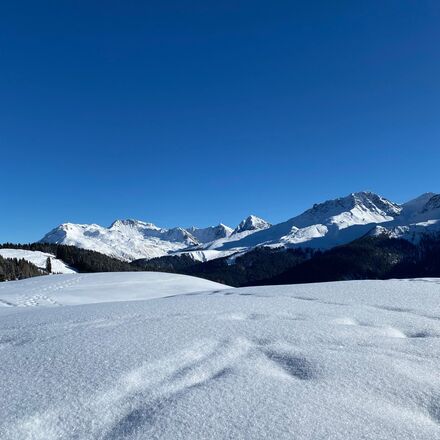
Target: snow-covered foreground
x=90, y=288
x=347, y=360
x=38, y=259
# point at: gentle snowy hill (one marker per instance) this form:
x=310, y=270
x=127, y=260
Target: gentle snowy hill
x=99, y=287
x=346, y=360
x=37, y=258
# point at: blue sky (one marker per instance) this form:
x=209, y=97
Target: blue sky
x=196, y=112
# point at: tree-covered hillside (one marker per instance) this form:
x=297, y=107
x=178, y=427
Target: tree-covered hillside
x=249, y=268
x=82, y=260
x=366, y=258
x=14, y=269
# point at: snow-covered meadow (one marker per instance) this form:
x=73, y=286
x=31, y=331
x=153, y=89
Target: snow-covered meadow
x=345, y=360
x=87, y=288
x=38, y=259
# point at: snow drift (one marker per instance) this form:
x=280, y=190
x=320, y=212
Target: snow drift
x=345, y=360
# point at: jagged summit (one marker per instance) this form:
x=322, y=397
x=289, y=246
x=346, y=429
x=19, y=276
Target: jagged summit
x=124, y=239
x=356, y=208
x=133, y=223
x=365, y=199
x=211, y=233
x=251, y=223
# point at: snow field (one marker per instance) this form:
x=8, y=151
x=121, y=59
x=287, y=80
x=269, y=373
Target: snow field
x=346, y=360
x=38, y=259
x=98, y=287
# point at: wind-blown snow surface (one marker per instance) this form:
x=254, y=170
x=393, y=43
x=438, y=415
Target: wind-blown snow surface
x=99, y=287
x=38, y=259
x=346, y=360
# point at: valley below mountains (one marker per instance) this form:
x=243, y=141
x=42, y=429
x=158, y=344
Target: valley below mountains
x=359, y=236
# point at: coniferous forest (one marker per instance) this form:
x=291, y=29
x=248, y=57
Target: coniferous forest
x=82, y=260
x=365, y=258
x=14, y=269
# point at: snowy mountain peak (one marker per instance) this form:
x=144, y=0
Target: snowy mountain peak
x=377, y=203
x=117, y=224
x=58, y=234
x=356, y=208
x=432, y=204
x=251, y=223
x=124, y=239
x=180, y=235
x=211, y=233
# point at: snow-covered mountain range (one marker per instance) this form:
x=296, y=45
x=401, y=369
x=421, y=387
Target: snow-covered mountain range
x=133, y=239
x=323, y=226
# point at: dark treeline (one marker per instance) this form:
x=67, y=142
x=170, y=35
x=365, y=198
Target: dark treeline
x=14, y=269
x=82, y=260
x=366, y=258
x=250, y=268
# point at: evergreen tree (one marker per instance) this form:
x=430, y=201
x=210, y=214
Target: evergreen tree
x=48, y=265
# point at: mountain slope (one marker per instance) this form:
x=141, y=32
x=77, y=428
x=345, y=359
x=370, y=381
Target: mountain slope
x=325, y=225
x=251, y=223
x=419, y=218
x=124, y=239
x=211, y=233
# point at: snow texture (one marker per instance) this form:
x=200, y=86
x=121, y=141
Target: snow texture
x=345, y=360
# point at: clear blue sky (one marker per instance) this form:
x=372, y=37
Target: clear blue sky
x=196, y=112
